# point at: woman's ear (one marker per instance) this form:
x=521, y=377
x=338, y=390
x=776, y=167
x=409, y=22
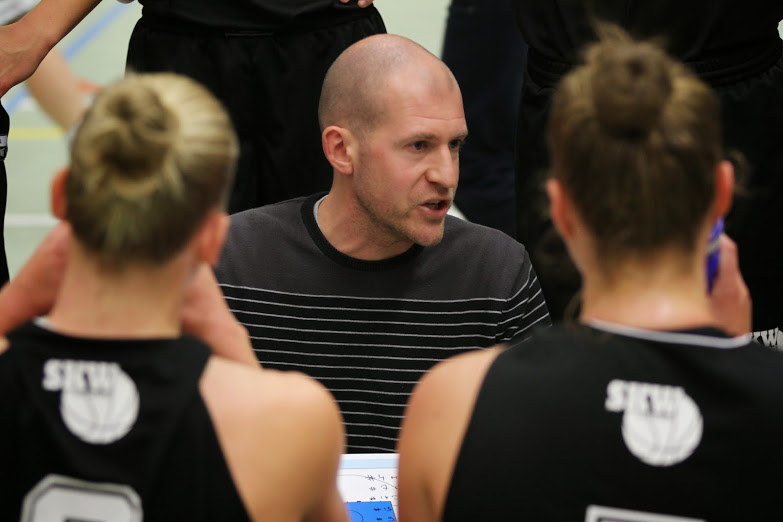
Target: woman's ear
x=560, y=208
x=569, y=225
x=724, y=188
x=59, y=201
x=338, y=144
x=212, y=235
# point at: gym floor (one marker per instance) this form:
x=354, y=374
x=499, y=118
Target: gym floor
x=96, y=51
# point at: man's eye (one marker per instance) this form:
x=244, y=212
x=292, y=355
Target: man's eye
x=419, y=145
x=456, y=144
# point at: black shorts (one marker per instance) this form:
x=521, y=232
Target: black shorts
x=4, y=125
x=270, y=82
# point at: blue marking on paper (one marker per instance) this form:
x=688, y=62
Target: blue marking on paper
x=371, y=511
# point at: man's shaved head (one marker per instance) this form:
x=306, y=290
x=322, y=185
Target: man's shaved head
x=357, y=83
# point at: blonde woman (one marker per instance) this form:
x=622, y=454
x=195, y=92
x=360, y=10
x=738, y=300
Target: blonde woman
x=125, y=403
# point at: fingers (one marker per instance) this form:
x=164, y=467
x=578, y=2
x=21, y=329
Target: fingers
x=730, y=298
x=728, y=255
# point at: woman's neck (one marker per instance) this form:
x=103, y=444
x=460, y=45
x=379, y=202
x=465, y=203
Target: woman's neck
x=657, y=295
x=136, y=303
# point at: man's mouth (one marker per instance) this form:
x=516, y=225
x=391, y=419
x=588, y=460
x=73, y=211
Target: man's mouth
x=437, y=205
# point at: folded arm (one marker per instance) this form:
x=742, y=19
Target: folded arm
x=730, y=298
x=25, y=43
x=33, y=290
x=205, y=315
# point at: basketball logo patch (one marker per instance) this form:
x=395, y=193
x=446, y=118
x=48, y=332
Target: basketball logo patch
x=99, y=403
x=662, y=425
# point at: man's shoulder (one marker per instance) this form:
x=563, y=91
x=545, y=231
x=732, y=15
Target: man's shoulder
x=484, y=248
x=461, y=233
x=475, y=260
x=256, y=233
x=288, y=211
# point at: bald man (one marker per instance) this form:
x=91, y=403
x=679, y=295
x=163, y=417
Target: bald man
x=369, y=285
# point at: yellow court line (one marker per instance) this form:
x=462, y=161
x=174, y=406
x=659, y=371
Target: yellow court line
x=35, y=133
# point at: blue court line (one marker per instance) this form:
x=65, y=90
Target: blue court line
x=73, y=49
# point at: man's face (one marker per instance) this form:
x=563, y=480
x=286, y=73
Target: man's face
x=408, y=164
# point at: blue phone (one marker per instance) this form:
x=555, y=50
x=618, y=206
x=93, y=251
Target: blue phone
x=713, y=254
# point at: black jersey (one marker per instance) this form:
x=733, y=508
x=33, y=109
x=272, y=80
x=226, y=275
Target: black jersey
x=109, y=430
x=254, y=15
x=4, y=127
x=612, y=423
x=694, y=31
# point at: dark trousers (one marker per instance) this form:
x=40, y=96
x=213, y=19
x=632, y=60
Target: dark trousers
x=270, y=83
x=485, y=51
x=4, y=125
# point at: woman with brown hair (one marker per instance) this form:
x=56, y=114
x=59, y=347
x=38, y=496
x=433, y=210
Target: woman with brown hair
x=734, y=47
x=641, y=409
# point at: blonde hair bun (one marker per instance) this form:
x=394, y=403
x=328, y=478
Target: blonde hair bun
x=154, y=153
x=136, y=133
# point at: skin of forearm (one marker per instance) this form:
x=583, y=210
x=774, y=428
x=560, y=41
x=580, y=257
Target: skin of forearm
x=49, y=21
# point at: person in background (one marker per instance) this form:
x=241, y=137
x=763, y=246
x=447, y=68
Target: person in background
x=138, y=395
x=485, y=51
x=735, y=48
x=641, y=409
x=264, y=60
x=59, y=93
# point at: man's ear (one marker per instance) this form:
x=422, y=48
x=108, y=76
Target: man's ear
x=58, y=200
x=212, y=235
x=339, y=148
x=724, y=188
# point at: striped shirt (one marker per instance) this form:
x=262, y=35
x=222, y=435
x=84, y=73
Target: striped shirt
x=368, y=330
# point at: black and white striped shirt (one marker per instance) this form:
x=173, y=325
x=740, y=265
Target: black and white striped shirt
x=368, y=330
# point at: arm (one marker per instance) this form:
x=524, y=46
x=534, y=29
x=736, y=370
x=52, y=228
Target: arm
x=25, y=43
x=434, y=426
x=34, y=289
x=286, y=469
x=206, y=316
x=310, y=442
x=329, y=506
x=730, y=299
x=313, y=445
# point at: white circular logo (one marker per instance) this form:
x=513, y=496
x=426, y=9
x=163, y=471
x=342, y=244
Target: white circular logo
x=99, y=403
x=661, y=426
